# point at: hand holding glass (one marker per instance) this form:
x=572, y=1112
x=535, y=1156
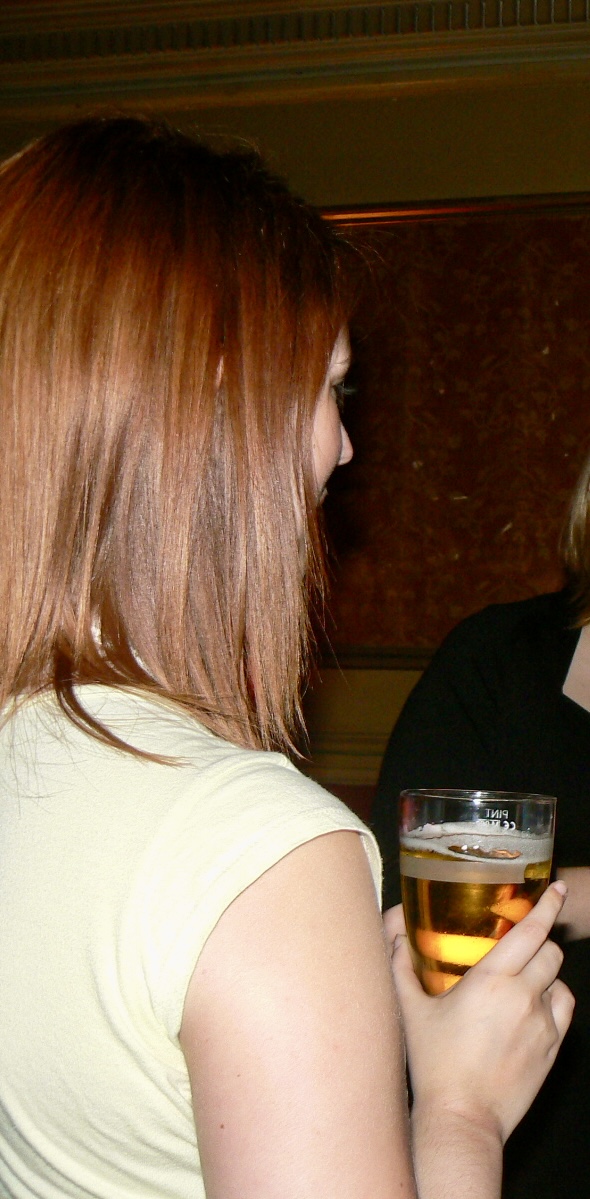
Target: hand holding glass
x=473, y=863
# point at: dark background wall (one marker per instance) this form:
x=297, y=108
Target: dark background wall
x=504, y=136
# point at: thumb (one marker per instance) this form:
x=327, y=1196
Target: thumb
x=393, y=923
x=408, y=987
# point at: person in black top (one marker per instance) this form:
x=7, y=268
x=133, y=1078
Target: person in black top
x=505, y=705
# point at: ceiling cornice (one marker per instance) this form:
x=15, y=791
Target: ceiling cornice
x=62, y=54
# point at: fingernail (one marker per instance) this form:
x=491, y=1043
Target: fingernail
x=397, y=942
x=560, y=886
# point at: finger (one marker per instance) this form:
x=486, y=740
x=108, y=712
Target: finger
x=543, y=968
x=562, y=1006
x=394, y=923
x=523, y=941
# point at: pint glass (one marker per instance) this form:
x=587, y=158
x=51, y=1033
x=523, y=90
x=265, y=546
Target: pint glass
x=473, y=863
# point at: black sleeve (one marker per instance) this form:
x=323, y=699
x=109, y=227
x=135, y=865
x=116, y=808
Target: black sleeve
x=445, y=735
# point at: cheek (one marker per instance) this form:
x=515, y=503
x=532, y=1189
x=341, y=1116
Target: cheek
x=327, y=442
x=334, y=443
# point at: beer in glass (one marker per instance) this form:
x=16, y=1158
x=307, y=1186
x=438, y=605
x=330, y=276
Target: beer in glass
x=473, y=863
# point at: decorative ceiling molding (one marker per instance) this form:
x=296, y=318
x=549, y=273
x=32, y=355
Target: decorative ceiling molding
x=59, y=54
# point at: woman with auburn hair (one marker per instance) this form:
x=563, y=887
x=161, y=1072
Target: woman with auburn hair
x=195, y=991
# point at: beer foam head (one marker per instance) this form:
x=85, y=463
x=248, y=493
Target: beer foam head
x=477, y=840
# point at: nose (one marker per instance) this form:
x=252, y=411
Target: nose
x=346, y=450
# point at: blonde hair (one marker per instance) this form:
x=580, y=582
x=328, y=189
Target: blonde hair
x=575, y=547
x=167, y=314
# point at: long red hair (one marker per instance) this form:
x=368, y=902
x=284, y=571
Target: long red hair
x=167, y=314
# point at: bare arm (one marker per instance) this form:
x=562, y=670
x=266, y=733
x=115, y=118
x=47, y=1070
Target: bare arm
x=292, y=1038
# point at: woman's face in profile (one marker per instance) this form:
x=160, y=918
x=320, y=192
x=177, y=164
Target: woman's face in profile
x=331, y=445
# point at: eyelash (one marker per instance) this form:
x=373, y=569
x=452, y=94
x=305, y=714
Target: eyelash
x=343, y=391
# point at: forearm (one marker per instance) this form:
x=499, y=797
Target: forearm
x=454, y=1156
x=574, y=919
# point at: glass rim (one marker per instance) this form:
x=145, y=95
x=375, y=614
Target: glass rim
x=476, y=797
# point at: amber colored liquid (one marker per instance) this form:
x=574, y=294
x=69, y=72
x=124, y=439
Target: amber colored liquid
x=452, y=923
